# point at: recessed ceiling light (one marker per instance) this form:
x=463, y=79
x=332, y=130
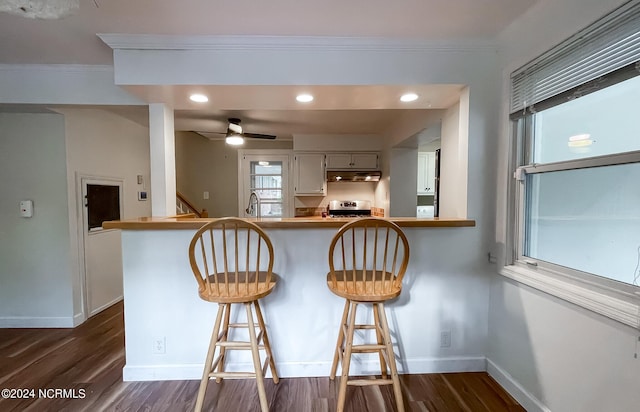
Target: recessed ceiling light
x=234, y=140
x=304, y=98
x=199, y=98
x=409, y=97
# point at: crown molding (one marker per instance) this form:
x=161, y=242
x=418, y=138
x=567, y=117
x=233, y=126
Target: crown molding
x=56, y=68
x=118, y=41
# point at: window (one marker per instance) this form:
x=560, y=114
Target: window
x=267, y=174
x=266, y=181
x=576, y=194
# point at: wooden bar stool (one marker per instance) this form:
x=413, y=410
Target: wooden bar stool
x=367, y=260
x=232, y=260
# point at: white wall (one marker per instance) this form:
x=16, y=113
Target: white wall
x=403, y=182
x=61, y=84
x=448, y=166
x=212, y=166
x=439, y=293
x=465, y=301
x=48, y=85
x=455, y=158
x=337, y=142
x=551, y=354
x=102, y=144
x=35, y=255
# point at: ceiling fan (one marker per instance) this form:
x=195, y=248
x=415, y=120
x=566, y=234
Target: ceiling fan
x=235, y=135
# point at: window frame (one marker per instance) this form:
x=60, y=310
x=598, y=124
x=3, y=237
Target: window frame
x=616, y=300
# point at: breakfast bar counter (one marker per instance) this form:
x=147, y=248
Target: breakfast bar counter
x=167, y=326
x=149, y=223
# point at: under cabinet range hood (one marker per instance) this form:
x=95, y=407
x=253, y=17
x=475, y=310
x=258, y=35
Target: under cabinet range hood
x=353, y=176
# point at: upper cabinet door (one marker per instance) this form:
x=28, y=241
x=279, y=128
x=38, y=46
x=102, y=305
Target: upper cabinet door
x=364, y=160
x=346, y=161
x=339, y=161
x=309, y=171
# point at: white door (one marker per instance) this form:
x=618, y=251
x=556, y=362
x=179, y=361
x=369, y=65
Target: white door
x=267, y=175
x=101, y=200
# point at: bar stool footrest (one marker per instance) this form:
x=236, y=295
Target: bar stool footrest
x=369, y=382
x=368, y=348
x=233, y=375
x=237, y=345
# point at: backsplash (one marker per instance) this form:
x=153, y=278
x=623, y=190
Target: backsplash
x=315, y=205
x=309, y=211
x=317, y=211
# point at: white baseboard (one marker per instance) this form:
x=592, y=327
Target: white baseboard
x=37, y=322
x=526, y=399
x=105, y=306
x=78, y=319
x=306, y=369
x=50, y=322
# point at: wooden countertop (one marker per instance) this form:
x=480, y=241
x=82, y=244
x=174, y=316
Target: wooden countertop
x=164, y=223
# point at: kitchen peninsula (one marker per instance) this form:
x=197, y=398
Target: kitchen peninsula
x=167, y=326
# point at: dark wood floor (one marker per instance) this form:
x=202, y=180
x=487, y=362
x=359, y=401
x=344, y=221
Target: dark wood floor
x=89, y=359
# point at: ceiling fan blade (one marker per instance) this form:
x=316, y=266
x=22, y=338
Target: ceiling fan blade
x=210, y=135
x=259, y=136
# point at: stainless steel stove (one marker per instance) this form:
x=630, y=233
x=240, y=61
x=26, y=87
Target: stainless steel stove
x=349, y=208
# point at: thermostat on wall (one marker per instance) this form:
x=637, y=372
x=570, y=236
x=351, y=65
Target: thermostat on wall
x=142, y=195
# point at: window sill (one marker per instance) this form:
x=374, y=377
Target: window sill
x=620, y=306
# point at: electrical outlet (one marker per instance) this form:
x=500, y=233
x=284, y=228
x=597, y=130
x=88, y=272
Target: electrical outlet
x=159, y=345
x=445, y=339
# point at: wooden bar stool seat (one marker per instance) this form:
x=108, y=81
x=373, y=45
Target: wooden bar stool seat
x=367, y=261
x=232, y=261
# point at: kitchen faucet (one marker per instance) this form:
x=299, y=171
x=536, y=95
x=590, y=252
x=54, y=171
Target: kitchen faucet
x=254, y=205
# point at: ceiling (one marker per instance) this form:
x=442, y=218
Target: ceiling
x=270, y=110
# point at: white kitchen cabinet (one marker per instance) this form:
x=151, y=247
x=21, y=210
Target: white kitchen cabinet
x=309, y=174
x=346, y=161
x=426, y=173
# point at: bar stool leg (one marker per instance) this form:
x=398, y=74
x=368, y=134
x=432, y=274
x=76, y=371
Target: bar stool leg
x=376, y=322
x=209, y=360
x=392, y=359
x=346, y=359
x=264, y=404
x=336, y=355
x=225, y=337
x=267, y=345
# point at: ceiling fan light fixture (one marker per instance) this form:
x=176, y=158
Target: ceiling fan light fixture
x=304, y=98
x=40, y=9
x=408, y=97
x=198, y=98
x=234, y=140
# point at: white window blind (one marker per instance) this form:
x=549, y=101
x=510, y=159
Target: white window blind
x=610, y=44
